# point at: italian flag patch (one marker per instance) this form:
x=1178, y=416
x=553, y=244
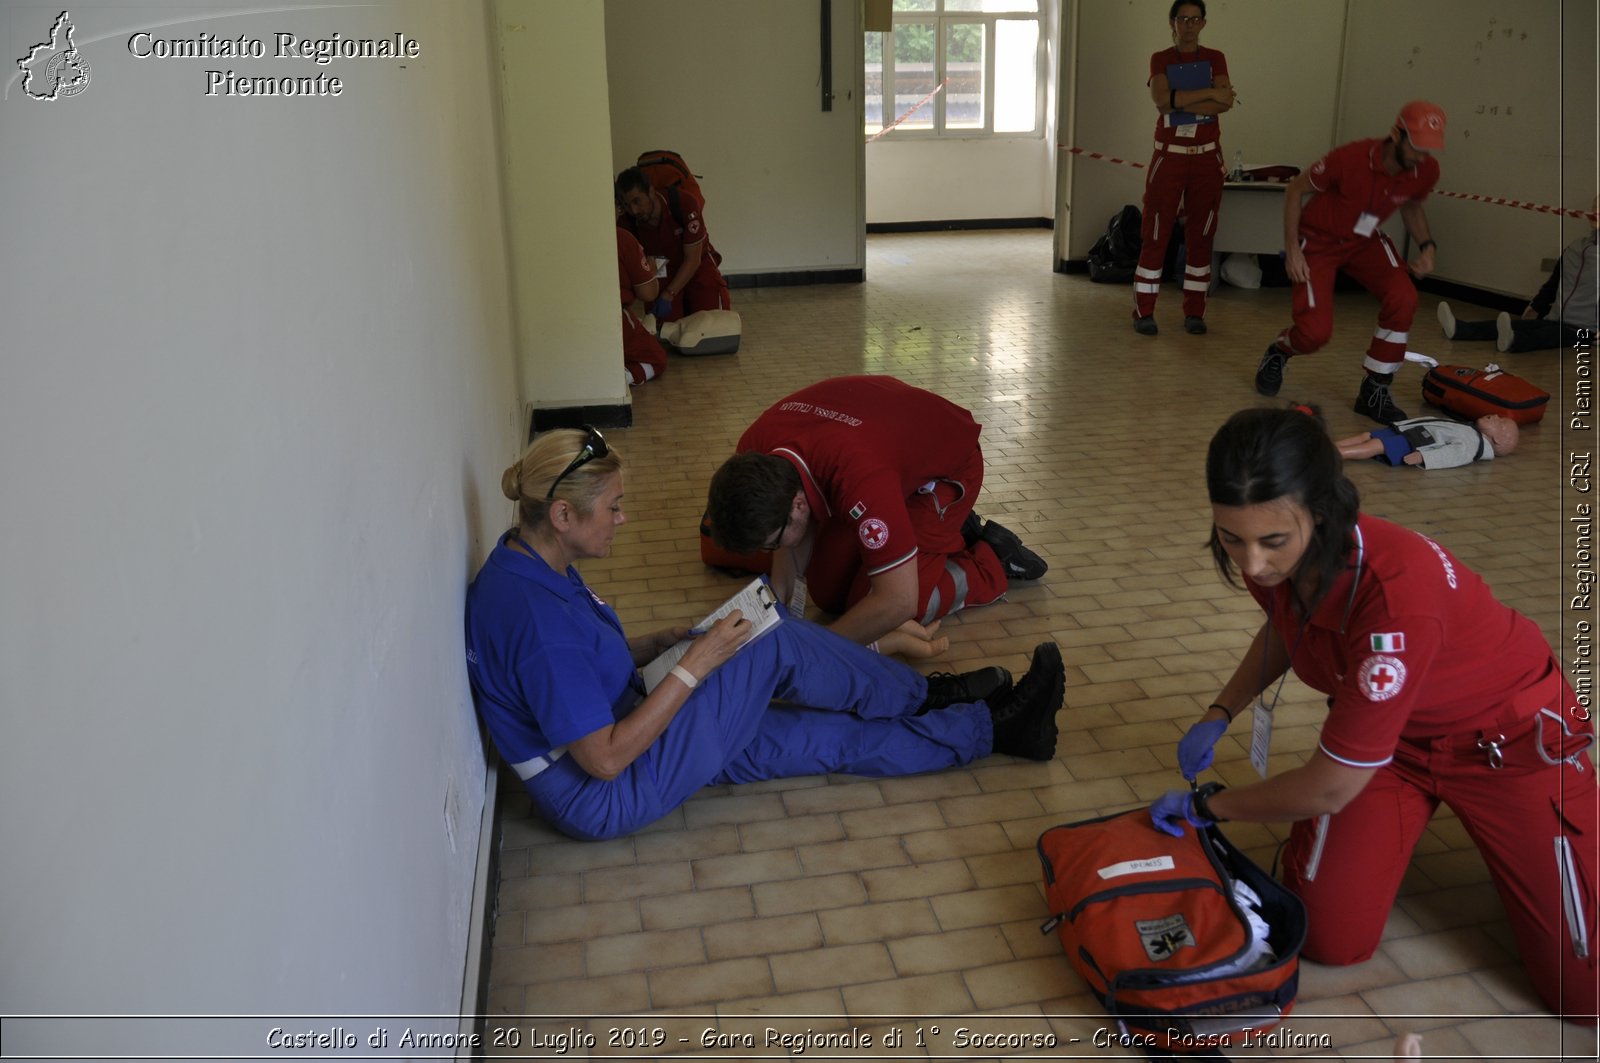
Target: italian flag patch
x=1392, y=642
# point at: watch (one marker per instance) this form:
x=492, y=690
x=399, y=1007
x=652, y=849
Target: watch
x=1426, y=244
x=1201, y=798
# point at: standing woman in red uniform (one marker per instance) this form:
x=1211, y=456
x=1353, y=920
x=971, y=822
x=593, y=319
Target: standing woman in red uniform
x=1189, y=84
x=1436, y=692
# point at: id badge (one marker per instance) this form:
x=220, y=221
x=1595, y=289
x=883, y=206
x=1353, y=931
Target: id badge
x=1260, y=736
x=1366, y=224
x=1186, y=132
x=797, y=597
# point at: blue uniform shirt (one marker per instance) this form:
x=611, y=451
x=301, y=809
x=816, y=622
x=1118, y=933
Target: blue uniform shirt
x=547, y=658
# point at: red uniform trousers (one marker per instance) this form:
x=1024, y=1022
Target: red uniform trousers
x=950, y=574
x=1373, y=263
x=1533, y=822
x=642, y=354
x=707, y=289
x=1196, y=180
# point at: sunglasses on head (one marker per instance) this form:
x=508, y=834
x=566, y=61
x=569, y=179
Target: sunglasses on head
x=593, y=447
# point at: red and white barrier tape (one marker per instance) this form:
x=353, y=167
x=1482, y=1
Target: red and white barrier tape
x=913, y=109
x=1498, y=201
x=1538, y=208
x=1103, y=158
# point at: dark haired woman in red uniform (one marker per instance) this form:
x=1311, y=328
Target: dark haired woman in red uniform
x=1437, y=692
x=1190, y=87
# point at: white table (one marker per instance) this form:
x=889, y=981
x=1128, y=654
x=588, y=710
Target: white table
x=1251, y=218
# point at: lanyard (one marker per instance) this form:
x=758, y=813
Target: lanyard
x=1349, y=606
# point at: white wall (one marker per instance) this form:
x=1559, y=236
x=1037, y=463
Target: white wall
x=734, y=86
x=1288, y=95
x=950, y=179
x=941, y=179
x=256, y=392
x=555, y=119
x=1517, y=82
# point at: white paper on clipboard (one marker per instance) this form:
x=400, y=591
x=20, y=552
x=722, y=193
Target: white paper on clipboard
x=755, y=601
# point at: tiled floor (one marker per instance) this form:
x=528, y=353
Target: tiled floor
x=841, y=904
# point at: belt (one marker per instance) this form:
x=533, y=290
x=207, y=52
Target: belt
x=1186, y=149
x=1545, y=727
x=527, y=769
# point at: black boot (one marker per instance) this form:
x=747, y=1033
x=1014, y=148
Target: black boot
x=1269, y=374
x=1025, y=720
x=1375, y=402
x=1020, y=562
x=951, y=688
x=971, y=529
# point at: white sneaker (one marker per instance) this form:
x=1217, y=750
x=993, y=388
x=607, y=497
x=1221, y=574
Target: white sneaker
x=1502, y=329
x=1447, y=321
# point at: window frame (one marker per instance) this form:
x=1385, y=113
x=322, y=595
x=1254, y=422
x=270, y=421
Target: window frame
x=942, y=21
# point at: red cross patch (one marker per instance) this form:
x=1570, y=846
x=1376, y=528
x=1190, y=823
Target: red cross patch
x=1381, y=677
x=874, y=533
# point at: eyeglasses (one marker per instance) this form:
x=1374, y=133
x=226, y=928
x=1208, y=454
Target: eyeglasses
x=593, y=447
x=1189, y=20
x=777, y=540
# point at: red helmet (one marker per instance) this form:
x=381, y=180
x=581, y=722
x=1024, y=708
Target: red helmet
x=1423, y=123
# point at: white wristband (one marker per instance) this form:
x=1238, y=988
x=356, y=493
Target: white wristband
x=684, y=676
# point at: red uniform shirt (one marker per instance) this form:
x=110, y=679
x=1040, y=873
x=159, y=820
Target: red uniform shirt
x=633, y=268
x=668, y=237
x=1419, y=648
x=863, y=446
x=1206, y=129
x=1350, y=181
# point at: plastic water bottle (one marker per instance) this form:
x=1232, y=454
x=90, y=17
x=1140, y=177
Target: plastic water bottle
x=1238, y=166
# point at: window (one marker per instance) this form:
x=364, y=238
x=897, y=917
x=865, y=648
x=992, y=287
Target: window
x=984, y=54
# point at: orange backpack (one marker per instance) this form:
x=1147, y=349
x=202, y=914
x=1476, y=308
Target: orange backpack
x=1154, y=925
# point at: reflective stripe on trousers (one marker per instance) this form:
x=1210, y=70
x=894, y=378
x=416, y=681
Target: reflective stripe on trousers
x=958, y=599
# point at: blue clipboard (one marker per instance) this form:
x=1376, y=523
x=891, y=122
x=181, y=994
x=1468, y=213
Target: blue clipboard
x=1196, y=75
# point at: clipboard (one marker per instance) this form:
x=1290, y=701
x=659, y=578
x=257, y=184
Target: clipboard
x=1195, y=75
x=758, y=604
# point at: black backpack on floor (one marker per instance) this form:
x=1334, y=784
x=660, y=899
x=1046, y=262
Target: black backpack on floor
x=1115, y=255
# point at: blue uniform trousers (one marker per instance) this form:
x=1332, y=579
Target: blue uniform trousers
x=844, y=709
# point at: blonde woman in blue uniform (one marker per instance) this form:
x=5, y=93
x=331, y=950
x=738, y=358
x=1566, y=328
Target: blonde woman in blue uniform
x=556, y=680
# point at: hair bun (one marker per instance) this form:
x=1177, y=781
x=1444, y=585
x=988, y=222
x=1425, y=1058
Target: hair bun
x=511, y=481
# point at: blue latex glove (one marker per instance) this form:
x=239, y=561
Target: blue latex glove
x=1175, y=808
x=661, y=308
x=1196, y=748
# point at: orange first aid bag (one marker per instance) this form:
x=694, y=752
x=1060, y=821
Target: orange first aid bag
x=1159, y=929
x=1475, y=393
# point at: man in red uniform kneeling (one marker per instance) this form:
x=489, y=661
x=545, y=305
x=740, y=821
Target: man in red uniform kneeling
x=670, y=225
x=865, y=485
x=642, y=354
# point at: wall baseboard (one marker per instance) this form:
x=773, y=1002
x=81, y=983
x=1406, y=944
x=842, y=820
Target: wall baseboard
x=1476, y=296
x=546, y=418
x=1465, y=293
x=796, y=277
x=485, y=904
x=960, y=224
